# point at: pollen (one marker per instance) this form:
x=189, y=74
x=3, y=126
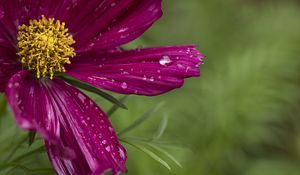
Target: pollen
x=45, y=46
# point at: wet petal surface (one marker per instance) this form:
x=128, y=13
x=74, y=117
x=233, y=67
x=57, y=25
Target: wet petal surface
x=79, y=137
x=143, y=71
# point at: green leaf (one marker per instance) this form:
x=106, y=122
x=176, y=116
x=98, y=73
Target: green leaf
x=15, y=148
x=3, y=105
x=149, y=153
x=161, y=129
x=40, y=149
x=167, y=154
x=115, y=107
x=93, y=89
x=15, y=162
x=31, y=137
x=141, y=119
x=43, y=171
x=150, y=140
x=14, y=166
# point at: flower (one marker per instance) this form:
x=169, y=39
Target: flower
x=40, y=39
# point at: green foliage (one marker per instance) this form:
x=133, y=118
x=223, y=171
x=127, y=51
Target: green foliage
x=15, y=158
x=2, y=106
x=31, y=137
x=141, y=119
x=115, y=107
x=150, y=153
x=16, y=155
x=241, y=117
x=92, y=89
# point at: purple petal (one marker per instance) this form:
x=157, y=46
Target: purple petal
x=144, y=71
x=111, y=23
x=16, y=12
x=32, y=105
x=8, y=63
x=95, y=24
x=79, y=137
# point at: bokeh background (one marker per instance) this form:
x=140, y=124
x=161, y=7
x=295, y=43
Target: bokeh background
x=241, y=117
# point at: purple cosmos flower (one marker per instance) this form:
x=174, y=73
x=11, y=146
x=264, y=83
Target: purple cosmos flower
x=40, y=39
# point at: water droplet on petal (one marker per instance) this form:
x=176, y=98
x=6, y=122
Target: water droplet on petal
x=144, y=78
x=165, y=60
x=113, y=4
x=187, y=69
x=121, y=153
x=10, y=85
x=123, y=30
x=81, y=97
x=200, y=58
x=151, y=79
x=108, y=148
x=180, y=66
x=111, y=129
x=124, y=85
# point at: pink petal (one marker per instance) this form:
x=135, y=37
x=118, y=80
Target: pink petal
x=95, y=24
x=144, y=71
x=113, y=22
x=8, y=63
x=79, y=137
x=16, y=12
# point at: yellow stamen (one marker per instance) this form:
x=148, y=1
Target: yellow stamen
x=45, y=46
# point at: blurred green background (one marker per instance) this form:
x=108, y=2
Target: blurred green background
x=240, y=118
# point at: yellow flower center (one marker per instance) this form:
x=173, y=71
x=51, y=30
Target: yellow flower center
x=45, y=46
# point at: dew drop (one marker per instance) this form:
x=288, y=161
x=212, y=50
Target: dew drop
x=92, y=44
x=81, y=97
x=200, y=58
x=113, y=4
x=100, y=136
x=10, y=85
x=123, y=30
x=124, y=85
x=111, y=129
x=187, y=69
x=108, y=149
x=144, y=78
x=121, y=153
x=180, y=66
x=2, y=13
x=139, y=49
x=165, y=60
x=151, y=79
